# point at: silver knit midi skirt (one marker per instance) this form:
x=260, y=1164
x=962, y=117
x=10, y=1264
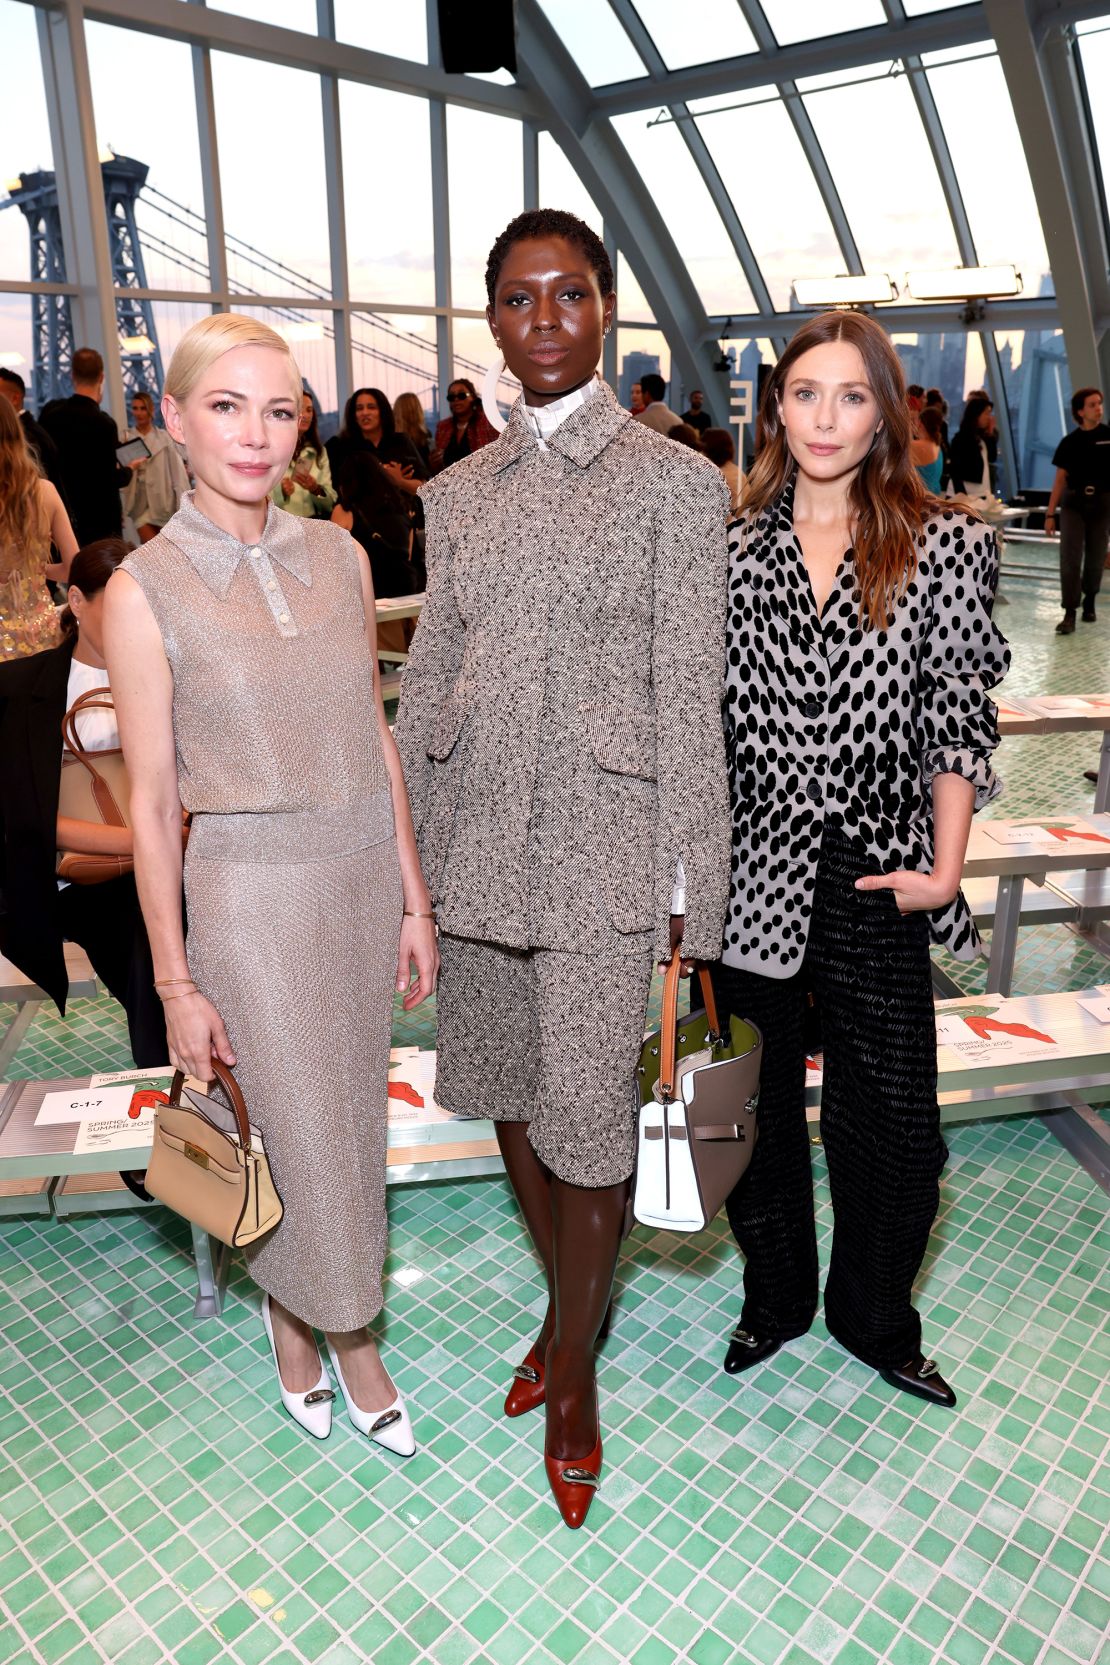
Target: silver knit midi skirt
x=300, y=958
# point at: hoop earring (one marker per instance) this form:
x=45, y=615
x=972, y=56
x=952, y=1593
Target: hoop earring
x=489, y=394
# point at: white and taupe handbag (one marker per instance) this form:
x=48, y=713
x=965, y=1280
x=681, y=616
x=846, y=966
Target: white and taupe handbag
x=698, y=1091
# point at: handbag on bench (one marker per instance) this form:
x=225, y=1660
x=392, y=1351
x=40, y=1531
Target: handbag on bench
x=698, y=1091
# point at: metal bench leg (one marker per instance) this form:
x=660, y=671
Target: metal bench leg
x=1007, y=912
x=1102, y=790
x=16, y=1030
x=212, y=1267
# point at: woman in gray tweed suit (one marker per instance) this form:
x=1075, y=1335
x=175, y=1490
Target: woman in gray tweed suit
x=561, y=737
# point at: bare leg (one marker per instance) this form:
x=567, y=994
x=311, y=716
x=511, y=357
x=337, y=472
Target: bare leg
x=587, y=1237
x=298, y=1356
x=368, y=1381
x=531, y=1183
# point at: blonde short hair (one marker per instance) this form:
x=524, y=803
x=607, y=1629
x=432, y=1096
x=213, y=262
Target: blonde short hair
x=210, y=338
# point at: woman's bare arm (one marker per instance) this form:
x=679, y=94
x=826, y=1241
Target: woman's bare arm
x=62, y=535
x=142, y=692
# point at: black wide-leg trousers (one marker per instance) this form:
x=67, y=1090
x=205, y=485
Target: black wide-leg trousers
x=867, y=967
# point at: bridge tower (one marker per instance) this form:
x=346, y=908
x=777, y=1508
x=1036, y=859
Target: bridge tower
x=36, y=195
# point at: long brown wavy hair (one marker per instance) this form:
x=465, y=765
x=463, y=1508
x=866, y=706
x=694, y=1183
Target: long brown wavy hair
x=21, y=515
x=887, y=498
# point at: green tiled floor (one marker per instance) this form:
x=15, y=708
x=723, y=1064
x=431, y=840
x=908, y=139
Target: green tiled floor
x=155, y=1505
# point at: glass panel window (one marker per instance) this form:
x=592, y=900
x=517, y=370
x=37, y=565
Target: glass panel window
x=474, y=353
x=952, y=361
x=311, y=338
x=160, y=152
x=700, y=34
x=390, y=243
x=682, y=198
x=895, y=205
x=276, y=226
x=595, y=40
x=639, y=351
x=632, y=306
x=400, y=31
x=17, y=350
x=397, y=353
x=26, y=151
x=987, y=153
x=286, y=14
x=485, y=187
x=1094, y=48
x=560, y=186
x=1038, y=390
x=794, y=20
x=919, y=8
x=780, y=207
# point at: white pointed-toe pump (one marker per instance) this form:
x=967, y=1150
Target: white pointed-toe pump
x=390, y=1428
x=312, y=1409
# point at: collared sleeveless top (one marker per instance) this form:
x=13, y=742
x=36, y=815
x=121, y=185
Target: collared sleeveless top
x=273, y=700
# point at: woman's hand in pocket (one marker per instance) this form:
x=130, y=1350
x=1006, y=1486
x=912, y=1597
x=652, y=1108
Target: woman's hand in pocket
x=913, y=892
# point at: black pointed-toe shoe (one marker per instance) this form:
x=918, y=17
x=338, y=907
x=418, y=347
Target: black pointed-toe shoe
x=745, y=1349
x=921, y=1378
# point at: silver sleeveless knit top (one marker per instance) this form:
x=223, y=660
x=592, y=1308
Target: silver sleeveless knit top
x=273, y=701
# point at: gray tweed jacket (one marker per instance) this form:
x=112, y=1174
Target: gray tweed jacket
x=560, y=718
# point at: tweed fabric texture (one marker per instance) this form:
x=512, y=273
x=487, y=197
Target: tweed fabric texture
x=867, y=966
x=273, y=686
x=291, y=876
x=829, y=724
x=518, y=1040
x=560, y=722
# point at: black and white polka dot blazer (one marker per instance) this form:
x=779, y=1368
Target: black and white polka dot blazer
x=828, y=721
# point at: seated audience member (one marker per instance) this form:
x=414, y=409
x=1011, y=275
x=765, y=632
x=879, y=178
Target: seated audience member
x=683, y=434
x=31, y=518
x=926, y=451
x=306, y=488
x=696, y=417
x=87, y=437
x=408, y=415
x=369, y=428
x=37, y=911
x=378, y=518
x=915, y=397
x=655, y=413
x=153, y=492
x=14, y=389
x=717, y=444
x=467, y=428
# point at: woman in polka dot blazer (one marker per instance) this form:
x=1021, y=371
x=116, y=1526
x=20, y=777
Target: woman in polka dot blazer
x=859, y=732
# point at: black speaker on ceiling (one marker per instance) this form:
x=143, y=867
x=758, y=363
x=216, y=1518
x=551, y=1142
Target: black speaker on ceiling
x=477, y=38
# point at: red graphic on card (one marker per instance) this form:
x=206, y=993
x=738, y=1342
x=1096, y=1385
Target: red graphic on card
x=145, y=1099
x=407, y=1094
x=982, y=1026
x=1064, y=833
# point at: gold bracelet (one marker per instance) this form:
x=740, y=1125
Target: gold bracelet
x=408, y=914
x=167, y=982
x=188, y=995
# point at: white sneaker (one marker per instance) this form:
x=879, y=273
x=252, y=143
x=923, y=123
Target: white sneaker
x=390, y=1428
x=312, y=1409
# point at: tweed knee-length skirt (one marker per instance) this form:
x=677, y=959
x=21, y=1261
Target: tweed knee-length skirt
x=300, y=959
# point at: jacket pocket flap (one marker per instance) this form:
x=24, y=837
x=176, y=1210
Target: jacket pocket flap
x=446, y=731
x=623, y=740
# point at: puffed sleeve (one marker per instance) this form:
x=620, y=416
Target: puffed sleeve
x=965, y=655
x=435, y=655
x=688, y=669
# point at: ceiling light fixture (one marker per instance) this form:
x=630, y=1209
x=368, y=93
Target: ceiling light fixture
x=867, y=289
x=965, y=283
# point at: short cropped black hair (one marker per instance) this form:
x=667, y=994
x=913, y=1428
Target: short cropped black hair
x=550, y=222
x=653, y=385
x=12, y=376
x=1079, y=399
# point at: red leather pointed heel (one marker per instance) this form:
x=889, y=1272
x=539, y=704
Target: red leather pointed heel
x=574, y=1482
x=528, y=1389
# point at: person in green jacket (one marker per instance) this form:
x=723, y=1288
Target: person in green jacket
x=306, y=488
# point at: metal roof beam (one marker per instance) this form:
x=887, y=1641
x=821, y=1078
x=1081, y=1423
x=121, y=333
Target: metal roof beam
x=1032, y=313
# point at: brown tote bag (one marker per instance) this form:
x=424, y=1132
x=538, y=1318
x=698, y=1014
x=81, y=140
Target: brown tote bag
x=94, y=787
x=208, y=1163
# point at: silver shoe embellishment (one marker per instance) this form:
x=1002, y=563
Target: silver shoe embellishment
x=526, y=1373
x=581, y=1477
x=744, y=1338
x=319, y=1396
x=386, y=1420
x=928, y=1368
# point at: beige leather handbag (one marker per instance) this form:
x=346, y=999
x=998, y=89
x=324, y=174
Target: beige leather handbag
x=94, y=787
x=698, y=1092
x=208, y=1163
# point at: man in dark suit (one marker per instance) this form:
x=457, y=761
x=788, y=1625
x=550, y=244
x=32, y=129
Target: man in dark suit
x=14, y=389
x=87, y=437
